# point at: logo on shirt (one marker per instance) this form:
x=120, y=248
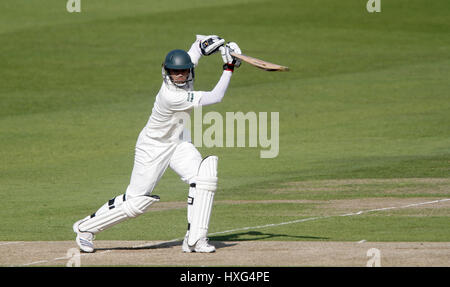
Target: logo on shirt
x=190, y=97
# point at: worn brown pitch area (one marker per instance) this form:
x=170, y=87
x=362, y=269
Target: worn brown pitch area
x=230, y=253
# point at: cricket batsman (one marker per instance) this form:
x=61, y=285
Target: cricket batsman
x=163, y=142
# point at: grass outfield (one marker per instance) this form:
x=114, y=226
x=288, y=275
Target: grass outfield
x=367, y=97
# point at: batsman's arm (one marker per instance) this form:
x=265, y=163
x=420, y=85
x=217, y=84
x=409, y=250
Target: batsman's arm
x=216, y=95
x=195, y=53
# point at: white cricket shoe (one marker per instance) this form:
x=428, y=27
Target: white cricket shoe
x=202, y=246
x=186, y=248
x=85, y=240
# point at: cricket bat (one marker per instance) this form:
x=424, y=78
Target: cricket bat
x=267, y=66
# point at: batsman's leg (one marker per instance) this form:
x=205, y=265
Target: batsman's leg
x=186, y=162
x=129, y=208
x=111, y=213
x=147, y=171
x=205, y=187
x=190, y=202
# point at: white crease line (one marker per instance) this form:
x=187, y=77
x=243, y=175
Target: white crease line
x=261, y=226
x=63, y=258
x=269, y=225
x=37, y=262
x=12, y=242
x=329, y=216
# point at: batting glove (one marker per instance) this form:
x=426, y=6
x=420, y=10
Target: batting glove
x=233, y=46
x=227, y=58
x=211, y=44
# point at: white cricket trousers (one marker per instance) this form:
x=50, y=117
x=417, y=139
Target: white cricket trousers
x=152, y=158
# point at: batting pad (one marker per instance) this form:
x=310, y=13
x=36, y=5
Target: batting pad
x=129, y=208
x=206, y=185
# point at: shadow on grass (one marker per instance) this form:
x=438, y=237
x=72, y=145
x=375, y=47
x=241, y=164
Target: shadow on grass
x=257, y=235
x=161, y=245
x=217, y=241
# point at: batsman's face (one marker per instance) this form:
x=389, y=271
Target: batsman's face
x=179, y=76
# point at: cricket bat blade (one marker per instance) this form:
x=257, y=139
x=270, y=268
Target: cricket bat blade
x=267, y=66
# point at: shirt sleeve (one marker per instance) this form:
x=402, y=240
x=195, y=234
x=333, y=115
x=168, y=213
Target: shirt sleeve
x=216, y=95
x=185, y=100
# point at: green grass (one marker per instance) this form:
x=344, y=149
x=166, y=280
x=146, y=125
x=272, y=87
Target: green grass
x=367, y=97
